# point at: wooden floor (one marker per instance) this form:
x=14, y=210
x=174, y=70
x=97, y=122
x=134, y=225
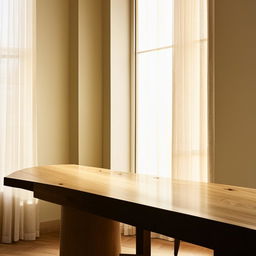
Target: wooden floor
x=48, y=244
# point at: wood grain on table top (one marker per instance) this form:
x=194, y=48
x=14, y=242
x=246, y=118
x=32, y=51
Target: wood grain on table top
x=222, y=203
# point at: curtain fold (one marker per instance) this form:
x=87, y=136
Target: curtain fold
x=190, y=85
x=19, y=213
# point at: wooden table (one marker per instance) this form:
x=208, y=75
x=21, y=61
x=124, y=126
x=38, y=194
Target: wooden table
x=219, y=217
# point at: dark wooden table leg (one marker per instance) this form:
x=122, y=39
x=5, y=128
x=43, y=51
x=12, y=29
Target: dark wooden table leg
x=176, y=246
x=85, y=234
x=143, y=242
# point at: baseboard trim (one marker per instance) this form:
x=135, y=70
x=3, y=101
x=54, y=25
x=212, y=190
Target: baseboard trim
x=50, y=226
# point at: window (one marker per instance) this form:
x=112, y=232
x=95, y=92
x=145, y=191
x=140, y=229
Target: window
x=19, y=218
x=171, y=88
x=154, y=86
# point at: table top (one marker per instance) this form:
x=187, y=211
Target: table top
x=222, y=203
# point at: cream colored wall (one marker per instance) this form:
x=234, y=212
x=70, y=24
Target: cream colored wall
x=52, y=89
x=70, y=70
x=73, y=80
x=106, y=85
x=120, y=70
x=235, y=92
x=90, y=82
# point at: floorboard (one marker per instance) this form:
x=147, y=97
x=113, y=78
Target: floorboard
x=48, y=245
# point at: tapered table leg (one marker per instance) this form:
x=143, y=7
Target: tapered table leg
x=176, y=246
x=85, y=234
x=143, y=242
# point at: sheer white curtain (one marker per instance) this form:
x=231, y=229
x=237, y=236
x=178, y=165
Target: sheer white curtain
x=19, y=214
x=190, y=89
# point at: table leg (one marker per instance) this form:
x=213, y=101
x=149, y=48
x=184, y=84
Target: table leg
x=143, y=242
x=176, y=246
x=85, y=234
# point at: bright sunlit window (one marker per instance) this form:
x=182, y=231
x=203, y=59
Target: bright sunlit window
x=171, y=87
x=154, y=86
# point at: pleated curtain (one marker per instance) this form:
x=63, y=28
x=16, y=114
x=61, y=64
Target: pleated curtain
x=190, y=91
x=18, y=208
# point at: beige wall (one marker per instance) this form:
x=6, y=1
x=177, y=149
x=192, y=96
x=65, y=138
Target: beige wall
x=120, y=70
x=73, y=80
x=235, y=92
x=69, y=81
x=90, y=82
x=52, y=89
x=106, y=84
